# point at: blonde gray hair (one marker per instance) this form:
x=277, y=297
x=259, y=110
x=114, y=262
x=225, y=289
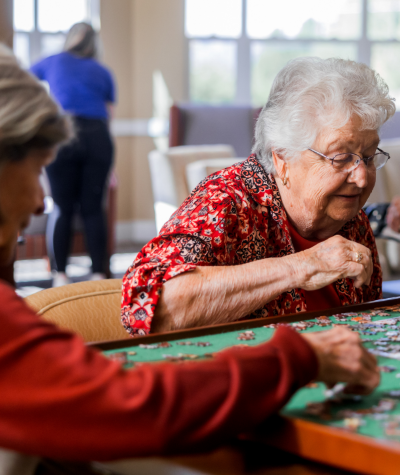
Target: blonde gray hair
x=29, y=118
x=82, y=41
x=310, y=94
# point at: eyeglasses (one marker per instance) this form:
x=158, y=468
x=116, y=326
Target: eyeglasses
x=347, y=162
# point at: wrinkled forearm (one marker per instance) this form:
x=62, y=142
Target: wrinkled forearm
x=212, y=295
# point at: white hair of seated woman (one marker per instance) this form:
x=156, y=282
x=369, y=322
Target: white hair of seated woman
x=292, y=119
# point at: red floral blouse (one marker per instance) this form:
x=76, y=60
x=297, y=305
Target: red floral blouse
x=232, y=217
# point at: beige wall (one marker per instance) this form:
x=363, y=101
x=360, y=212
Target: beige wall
x=139, y=38
x=116, y=28
x=158, y=44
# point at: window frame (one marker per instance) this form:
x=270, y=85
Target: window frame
x=244, y=42
x=35, y=36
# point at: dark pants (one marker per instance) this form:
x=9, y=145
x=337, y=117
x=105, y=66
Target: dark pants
x=78, y=179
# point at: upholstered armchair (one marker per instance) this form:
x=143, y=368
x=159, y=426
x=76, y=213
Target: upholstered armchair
x=91, y=309
x=193, y=124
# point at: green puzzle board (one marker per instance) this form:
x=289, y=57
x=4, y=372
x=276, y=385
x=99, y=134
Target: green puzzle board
x=296, y=406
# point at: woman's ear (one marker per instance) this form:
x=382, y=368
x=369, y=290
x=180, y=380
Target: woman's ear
x=280, y=165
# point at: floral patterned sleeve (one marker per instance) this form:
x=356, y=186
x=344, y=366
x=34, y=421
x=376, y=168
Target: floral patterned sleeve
x=197, y=234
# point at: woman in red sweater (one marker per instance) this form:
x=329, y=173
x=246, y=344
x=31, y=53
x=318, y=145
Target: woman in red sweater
x=64, y=400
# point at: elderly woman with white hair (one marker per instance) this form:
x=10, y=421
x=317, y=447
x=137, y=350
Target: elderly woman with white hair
x=283, y=231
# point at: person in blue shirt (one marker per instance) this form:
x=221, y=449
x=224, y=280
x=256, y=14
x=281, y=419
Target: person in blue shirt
x=85, y=89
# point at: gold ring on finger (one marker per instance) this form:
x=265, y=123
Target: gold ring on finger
x=359, y=257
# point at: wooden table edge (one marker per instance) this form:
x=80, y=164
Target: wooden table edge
x=320, y=443
x=238, y=326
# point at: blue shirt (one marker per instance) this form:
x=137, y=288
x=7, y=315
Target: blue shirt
x=81, y=85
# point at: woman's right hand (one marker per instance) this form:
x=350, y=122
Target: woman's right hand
x=343, y=359
x=333, y=259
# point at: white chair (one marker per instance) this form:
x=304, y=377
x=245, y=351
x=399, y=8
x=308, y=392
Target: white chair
x=388, y=178
x=168, y=175
x=387, y=186
x=197, y=171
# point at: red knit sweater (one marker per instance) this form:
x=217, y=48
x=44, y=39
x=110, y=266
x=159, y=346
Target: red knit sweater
x=61, y=399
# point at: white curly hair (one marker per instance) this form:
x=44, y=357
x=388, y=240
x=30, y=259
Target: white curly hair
x=310, y=94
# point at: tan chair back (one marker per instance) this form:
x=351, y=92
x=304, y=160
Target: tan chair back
x=91, y=309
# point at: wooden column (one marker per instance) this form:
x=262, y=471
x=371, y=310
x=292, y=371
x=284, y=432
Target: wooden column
x=6, y=22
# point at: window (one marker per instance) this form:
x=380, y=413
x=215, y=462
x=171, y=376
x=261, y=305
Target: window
x=219, y=18
x=40, y=26
x=212, y=71
x=308, y=19
x=236, y=47
x=267, y=59
x=384, y=19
